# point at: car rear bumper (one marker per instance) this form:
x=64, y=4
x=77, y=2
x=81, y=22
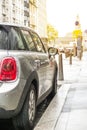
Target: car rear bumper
x=10, y=95
x=7, y=114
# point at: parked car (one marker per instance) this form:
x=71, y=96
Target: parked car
x=28, y=74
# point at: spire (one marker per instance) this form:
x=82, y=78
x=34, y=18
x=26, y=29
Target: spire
x=77, y=18
x=77, y=23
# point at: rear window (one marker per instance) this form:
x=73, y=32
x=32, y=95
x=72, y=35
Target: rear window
x=10, y=39
x=3, y=38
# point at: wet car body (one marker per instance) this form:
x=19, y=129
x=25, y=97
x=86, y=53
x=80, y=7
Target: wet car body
x=26, y=72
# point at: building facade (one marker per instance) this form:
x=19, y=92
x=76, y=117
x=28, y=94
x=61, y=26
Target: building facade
x=12, y=11
x=38, y=16
x=42, y=18
x=26, y=13
x=30, y=13
x=33, y=14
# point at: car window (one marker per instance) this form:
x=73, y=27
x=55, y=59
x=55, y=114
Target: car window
x=16, y=41
x=28, y=39
x=38, y=43
x=11, y=39
x=3, y=38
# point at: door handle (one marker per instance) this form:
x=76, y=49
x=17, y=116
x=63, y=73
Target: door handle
x=37, y=63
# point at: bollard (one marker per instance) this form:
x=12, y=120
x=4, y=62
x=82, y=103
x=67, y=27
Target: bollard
x=70, y=61
x=75, y=51
x=60, y=68
x=79, y=54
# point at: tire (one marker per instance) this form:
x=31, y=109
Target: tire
x=54, y=90
x=25, y=120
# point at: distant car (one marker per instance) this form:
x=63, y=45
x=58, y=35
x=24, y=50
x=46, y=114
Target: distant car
x=28, y=74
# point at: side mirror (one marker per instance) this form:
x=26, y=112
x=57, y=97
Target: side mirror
x=52, y=51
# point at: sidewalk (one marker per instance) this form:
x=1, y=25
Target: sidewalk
x=65, y=110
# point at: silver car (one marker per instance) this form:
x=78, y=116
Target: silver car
x=28, y=74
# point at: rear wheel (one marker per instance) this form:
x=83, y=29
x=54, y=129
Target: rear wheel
x=25, y=120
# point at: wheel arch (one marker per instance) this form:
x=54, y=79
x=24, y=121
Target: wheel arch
x=33, y=78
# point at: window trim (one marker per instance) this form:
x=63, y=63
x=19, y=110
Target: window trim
x=26, y=29
x=18, y=30
x=40, y=41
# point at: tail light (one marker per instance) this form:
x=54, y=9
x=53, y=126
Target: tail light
x=8, y=69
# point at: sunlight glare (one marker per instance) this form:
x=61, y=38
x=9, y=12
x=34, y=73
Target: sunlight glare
x=62, y=14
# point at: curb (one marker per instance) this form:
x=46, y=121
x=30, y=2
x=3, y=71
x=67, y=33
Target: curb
x=50, y=117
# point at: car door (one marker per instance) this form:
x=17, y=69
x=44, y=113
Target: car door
x=45, y=66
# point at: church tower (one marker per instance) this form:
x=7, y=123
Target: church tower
x=77, y=31
x=77, y=23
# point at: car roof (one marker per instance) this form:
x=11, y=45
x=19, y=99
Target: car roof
x=15, y=25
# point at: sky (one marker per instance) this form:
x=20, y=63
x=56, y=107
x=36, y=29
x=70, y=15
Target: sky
x=62, y=14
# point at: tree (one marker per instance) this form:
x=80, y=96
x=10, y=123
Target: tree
x=52, y=33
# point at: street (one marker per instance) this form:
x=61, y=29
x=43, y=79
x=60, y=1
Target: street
x=74, y=112
x=7, y=124
x=43, y=65
x=69, y=111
